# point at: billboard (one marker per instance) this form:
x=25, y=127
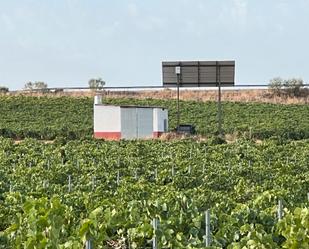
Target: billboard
x=198, y=73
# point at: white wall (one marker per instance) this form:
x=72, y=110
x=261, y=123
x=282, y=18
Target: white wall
x=107, y=118
x=97, y=100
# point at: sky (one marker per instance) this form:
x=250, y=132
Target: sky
x=66, y=42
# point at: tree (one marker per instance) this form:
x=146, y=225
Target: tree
x=276, y=85
x=38, y=85
x=293, y=87
x=29, y=86
x=290, y=87
x=4, y=89
x=96, y=84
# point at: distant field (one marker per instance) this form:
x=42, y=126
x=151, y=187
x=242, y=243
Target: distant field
x=231, y=95
x=49, y=117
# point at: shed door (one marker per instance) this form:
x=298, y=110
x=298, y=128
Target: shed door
x=128, y=123
x=144, y=122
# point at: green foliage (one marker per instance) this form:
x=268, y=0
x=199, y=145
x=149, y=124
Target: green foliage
x=72, y=118
x=45, y=118
x=41, y=224
x=213, y=140
x=295, y=228
x=240, y=183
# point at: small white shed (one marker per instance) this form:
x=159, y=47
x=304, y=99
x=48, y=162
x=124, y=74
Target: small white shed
x=128, y=122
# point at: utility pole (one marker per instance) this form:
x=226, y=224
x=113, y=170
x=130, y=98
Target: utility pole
x=219, y=100
x=178, y=73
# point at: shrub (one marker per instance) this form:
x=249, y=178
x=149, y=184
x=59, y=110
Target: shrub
x=291, y=87
x=38, y=86
x=276, y=85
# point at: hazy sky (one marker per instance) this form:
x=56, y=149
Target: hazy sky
x=66, y=42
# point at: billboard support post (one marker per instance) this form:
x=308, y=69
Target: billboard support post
x=178, y=112
x=218, y=79
x=178, y=72
x=219, y=110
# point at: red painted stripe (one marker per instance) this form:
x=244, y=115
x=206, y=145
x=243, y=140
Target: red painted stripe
x=108, y=135
x=157, y=134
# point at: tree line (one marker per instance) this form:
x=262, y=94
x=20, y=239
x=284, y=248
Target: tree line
x=93, y=83
x=288, y=87
x=278, y=86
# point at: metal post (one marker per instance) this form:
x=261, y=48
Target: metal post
x=118, y=177
x=207, y=229
x=93, y=182
x=156, y=174
x=173, y=171
x=308, y=196
x=155, y=227
x=178, y=111
x=280, y=210
x=129, y=244
x=219, y=108
x=218, y=81
x=88, y=244
x=69, y=184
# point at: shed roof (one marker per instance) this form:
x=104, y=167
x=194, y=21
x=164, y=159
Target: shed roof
x=131, y=106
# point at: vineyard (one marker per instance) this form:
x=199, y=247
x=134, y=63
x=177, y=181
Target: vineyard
x=77, y=192
x=49, y=117
x=63, y=194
